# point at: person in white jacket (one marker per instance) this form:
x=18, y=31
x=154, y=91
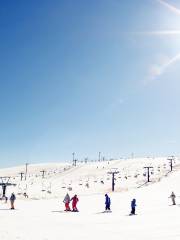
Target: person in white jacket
x=66, y=201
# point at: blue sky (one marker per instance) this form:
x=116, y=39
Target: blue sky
x=88, y=76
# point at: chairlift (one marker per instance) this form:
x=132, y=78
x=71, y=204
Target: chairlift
x=87, y=184
x=63, y=185
x=80, y=183
x=49, y=189
x=69, y=188
x=43, y=188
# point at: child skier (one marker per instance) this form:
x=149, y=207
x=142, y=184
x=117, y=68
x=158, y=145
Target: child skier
x=12, y=200
x=173, y=196
x=74, y=203
x=107, y=202
x=66, y=201
x=133, y=207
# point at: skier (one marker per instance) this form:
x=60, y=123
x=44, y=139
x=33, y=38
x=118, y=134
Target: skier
x=66, y=201
x=173, y=196
x=74, y=203
x=133, y=207
x=107, y=202
x=12, y=200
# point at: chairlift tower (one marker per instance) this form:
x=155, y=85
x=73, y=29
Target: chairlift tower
x=99, y=157
x=43, y=173
x=75, y=162
x=148, y=173
x=113, y=172
x=26, y=170
x=21, y=174
x=4, y=183
x=171, y=159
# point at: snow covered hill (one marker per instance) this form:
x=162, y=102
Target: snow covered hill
x=44, y=219
x=85, y=178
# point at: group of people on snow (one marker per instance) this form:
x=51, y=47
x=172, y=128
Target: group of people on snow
x=67, y=201
x=75, y=200
x=108, y=205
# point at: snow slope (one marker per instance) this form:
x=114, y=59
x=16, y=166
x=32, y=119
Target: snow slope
x=44, y=219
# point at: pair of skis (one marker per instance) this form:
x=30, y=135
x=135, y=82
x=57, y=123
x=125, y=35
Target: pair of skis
x=71, y=211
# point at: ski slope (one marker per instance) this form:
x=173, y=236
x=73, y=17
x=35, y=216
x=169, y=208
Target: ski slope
x=41, y=216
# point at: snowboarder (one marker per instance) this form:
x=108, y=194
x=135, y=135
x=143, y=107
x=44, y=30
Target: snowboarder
x=66, y=201
x=74, y=203
x=12, y=200
x=107, y=202
x=133, y=207
x=173, y=196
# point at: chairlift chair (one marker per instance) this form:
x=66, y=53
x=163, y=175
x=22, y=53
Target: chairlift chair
x=63, y=185
x=80, y=183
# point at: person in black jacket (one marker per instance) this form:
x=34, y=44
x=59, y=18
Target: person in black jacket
x=12, y=200
x=173, y=197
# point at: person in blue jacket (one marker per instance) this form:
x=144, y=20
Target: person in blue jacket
x=133, y=207
x=107, y=202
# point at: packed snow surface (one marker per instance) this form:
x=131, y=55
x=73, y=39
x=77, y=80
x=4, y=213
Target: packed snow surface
x=42, y=216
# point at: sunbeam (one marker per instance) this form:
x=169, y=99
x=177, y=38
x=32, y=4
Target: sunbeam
x=169, y=32
x=170, y=7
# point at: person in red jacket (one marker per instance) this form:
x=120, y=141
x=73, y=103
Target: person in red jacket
x=74, y=203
